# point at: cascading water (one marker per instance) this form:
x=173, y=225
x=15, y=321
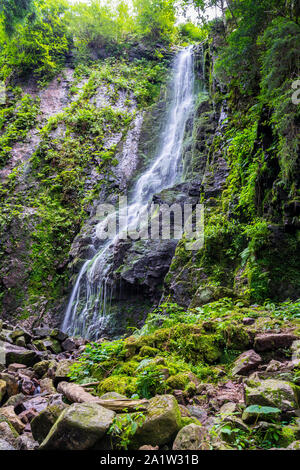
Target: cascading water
x=87, y=312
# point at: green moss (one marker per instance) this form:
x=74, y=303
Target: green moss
x=147, y=351
x=185, y=421
x=178, y=382
x=120, y=384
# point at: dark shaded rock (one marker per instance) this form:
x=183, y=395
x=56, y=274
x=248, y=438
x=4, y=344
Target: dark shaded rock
x=273, y=341
x=11, y=354
x=246, y=362
x=43, y=422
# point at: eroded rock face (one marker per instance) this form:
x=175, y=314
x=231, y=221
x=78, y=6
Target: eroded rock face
x=79, y=427
x=192, y=437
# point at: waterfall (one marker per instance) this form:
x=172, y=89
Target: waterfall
x=88, y=307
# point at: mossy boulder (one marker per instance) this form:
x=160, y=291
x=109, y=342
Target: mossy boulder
x=62, y=371
x=192, y=437
x=147, y=351
x=123, y=385
x=207, y=346
x=163, y=421
x=275, y=393
x=43, y=422
x=79, y=427
x=41, y=368
x=182, y=381
x=12, y=354
x=288, y=435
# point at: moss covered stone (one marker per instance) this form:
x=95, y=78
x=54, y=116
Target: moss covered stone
x=120, y=384
x=79, y=427
x=163, y=421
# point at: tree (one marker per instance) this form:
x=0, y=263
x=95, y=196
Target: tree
x=14, y=11
x=155, y=20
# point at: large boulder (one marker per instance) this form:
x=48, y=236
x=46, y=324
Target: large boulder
x=272, y=341
x=192, y=437
x=10, y=353
x=246, y=362
x=275, y=393
x=62, y=371
x=43, y=422
x=41, y=368
x=79, y=427
x=162, y=423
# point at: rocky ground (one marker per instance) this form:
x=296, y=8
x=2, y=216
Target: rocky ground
x=248, y=402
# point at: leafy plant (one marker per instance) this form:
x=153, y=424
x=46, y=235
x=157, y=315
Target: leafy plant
x=124, y=427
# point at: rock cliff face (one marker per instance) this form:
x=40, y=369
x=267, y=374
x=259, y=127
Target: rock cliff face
x=86, y=143
x=78, y=147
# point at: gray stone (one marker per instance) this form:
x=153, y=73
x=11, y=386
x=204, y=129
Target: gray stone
x=246, y=362
x=275, y=393
x=192, y=437
x=163, y=421
x=79, y=427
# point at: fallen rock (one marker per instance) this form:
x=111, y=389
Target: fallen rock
x=246, y=362
x=4, y=445
x=41, y=368
x=294, y=446
x=43, y=422
x=162, y=423
x=62, y=371
x=248, y=321
x=15, y=399
x=228, y=409
x=16, y=367
x=2, y=389
x=296, y=353
x=26, y=442
x=69, y=345
x=27, y=415
x=79, y=427
x=274, y=393
x=192, y=437
x=9, y=414
x=47, y=385
x=8, y=433
x=12, y=385
x=149, y=448
x=273, y=341
x=9, y=354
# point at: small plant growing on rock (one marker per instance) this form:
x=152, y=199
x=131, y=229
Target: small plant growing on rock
x=124, y=427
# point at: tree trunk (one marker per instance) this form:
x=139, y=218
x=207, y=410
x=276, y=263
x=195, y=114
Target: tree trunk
x=77, y=394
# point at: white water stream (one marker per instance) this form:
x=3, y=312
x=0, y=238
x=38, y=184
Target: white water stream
x=87, y=310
